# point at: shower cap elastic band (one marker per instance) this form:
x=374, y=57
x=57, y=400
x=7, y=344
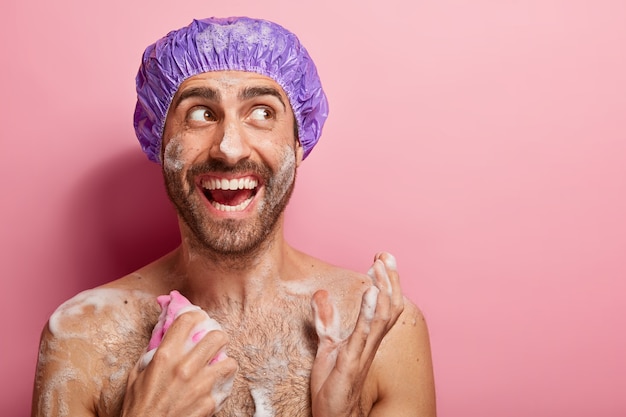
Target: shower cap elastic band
x=220, y=44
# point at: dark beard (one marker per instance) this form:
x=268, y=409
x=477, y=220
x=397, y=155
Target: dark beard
x=230, y=240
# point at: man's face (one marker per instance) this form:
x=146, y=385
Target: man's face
x=230, y=157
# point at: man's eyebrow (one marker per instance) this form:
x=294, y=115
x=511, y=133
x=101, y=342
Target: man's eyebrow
x=251, y=92
x=202, y=92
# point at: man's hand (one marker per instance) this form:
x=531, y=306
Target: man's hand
x=178, y=382
x=341, y=365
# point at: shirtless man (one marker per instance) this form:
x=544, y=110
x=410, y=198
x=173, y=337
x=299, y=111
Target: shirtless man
x=230, y=108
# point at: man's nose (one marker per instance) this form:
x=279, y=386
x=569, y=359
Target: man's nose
x=233, y=145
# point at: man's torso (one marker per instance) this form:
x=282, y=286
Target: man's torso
x=274, y=343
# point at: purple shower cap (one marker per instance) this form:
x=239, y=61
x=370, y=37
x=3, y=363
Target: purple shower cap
x=234, y=43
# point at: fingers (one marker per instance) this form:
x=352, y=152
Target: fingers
x=328, y=328
x=341, y=366
x=368, y=331
x=178, y=391
x=223, y=385
x=384, y=274
x=179, y=346
x=326, y=316
x=179, y=378
x=381, y=305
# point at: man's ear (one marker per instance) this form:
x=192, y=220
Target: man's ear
x=299, y=153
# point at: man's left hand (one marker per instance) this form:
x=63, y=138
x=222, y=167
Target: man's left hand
x=342, y=364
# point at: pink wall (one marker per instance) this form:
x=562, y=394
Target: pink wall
x=486, y=146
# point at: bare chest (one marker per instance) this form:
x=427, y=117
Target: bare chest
x=274, y=352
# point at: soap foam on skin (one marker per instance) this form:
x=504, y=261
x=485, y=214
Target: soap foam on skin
x=262, y=402
x=333, y=331
x=297, y=287
x=95, y=299
x=220, y=392
x=105, y=322
x=390, y=262
x=171, y=155
x=228, y=144
x=262, y=389
x=54, y=398
x=288, y=165
x=387, y=281
x=227, y=83
x=56, y=394
x=274, y=350
x=369, y=303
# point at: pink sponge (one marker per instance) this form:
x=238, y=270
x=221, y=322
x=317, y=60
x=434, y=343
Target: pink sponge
x=172, y=306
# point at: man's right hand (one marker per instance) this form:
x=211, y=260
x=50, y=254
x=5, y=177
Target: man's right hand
x=178, y=382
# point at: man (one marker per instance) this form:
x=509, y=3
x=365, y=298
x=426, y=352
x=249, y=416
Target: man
x=230, y=108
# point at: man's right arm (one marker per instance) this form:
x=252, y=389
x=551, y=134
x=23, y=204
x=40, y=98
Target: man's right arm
x=76, y=368
x=62, y=386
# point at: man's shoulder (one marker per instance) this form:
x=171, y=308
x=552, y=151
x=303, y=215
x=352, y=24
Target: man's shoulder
x=324, y=271
x=90, y=342
x=344, y=285
x=108, y=312
x=117, y=302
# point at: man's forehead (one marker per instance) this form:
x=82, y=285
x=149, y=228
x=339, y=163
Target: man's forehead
x=229, y=81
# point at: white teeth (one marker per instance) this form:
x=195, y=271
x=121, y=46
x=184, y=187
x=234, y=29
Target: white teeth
x=239, y=207
x=234, y=184
x=246, y=183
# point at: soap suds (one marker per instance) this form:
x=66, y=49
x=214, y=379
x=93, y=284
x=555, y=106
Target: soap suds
x=280, y=183
x=230, y=144
x=378, y=266
x=274, y=350
x=221, y=391
x=390, y=262
x=53, y=400
x=217, y=38
x=262, y=401
x=331, y=331
x=368, y=309
x=95, y=300
x=287, y=169
x=171, y=155
x=299, y=287
x=94, y=338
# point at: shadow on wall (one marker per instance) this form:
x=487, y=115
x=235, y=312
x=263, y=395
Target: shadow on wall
x=119, y=219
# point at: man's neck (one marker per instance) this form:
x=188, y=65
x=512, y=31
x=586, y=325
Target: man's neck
x=208, y=279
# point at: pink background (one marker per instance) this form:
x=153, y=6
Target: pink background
x=482, y=142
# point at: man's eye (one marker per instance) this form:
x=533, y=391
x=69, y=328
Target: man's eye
x=261, y=113
x=201, y=115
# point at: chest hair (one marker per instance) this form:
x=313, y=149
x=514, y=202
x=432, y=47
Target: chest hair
x=274, y=347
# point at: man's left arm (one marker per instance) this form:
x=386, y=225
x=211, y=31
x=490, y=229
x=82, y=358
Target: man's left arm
x=403, y=369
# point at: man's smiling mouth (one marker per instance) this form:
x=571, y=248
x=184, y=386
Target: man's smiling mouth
x=230, y=194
